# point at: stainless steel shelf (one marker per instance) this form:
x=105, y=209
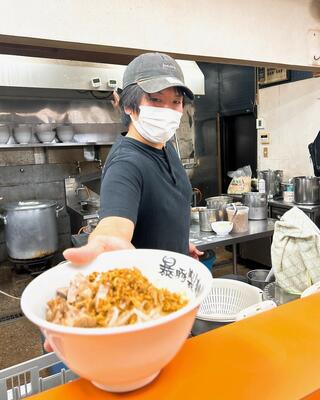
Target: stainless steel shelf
x=71, y=144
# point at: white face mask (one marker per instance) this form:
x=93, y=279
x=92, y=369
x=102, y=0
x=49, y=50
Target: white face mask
x=157, y=124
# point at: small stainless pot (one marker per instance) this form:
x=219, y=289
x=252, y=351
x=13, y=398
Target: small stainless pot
x=306, y=190
x=220, y=203
x=257, y=203
x=31, y=229
x=206, y=217
x=257, y=277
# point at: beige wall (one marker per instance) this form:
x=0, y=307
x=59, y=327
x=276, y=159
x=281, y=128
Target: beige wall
x=291, y=114
x=270, y=31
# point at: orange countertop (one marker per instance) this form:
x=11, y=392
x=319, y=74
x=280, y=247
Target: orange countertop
x=274, y=356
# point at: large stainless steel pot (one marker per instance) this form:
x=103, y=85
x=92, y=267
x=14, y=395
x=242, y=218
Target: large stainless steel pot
x=306, y=190
x=31, y=228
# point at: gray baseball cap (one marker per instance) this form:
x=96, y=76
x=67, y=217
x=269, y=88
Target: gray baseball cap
x=154, y=72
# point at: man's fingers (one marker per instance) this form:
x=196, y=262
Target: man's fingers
x=84, y=254
x=47, y=346
x=96, y=246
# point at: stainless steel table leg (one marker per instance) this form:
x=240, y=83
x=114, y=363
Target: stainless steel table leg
x=234, y=258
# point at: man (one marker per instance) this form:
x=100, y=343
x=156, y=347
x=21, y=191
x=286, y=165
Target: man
x=145, y=192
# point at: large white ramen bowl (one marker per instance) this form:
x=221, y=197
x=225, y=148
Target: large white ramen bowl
x=122, y=358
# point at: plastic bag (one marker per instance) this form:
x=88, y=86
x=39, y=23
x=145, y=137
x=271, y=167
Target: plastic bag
x=241, y=180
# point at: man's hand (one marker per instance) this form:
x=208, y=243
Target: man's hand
x=95, y=246
x=194, y=252
x=87, y=253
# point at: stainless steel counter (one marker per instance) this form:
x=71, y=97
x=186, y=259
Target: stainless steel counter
x=284, y=204
x=208, y=240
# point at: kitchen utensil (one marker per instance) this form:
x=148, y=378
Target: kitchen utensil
x=270, y=275
x=195, y=213
x=122, y=358
x=226, y=299
x=257, y=203
x=273, y=179
x=4, y=133
x=222, y=228
x=274, y=292
x=239, y=218
x=22, y=134
x=306, y=190
x=220, y=203
x=257, y=277
x=258, y=308
x=31, y=228
x=206, y=217
x=65, y=133
x=235, y=211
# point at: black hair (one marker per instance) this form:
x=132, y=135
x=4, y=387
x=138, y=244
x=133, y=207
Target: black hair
x=131, y=97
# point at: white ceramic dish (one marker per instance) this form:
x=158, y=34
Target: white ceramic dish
x=4, y=133
x=222, y=228
x=65, y=133
x=22, y=134
x=46, y=136
x=122, y=358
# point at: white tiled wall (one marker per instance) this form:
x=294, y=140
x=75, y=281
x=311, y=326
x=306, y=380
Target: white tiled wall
x=291, y=115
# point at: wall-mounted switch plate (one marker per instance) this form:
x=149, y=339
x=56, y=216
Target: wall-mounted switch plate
x=265, y=152
x=264, y=137
x=260, y=123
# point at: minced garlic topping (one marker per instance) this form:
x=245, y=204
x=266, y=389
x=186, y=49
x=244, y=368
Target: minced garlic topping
x=113, y=298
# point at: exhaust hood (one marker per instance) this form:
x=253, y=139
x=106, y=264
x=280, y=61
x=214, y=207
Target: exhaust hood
x=32, y=72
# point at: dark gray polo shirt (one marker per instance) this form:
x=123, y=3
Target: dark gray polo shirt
x=151, y=188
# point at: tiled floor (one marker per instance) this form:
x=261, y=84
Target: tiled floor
x=21, y=340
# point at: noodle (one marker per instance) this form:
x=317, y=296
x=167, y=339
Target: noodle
x=112, y=298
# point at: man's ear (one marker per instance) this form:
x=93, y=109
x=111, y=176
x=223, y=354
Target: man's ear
x=116, y=99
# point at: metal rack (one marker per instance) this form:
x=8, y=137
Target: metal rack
x=66, y=144
x=23, y=380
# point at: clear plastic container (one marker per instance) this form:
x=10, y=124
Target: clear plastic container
x=240, y=220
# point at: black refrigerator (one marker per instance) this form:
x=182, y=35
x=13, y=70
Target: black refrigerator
x=225, y=120
x=238, y=144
